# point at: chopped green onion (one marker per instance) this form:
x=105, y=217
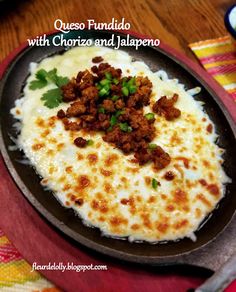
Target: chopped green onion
x=108, y=75
x=90, y=142
x=113, y=120
x=125, y=91
x=124, y=81
x=131, y=81
x=132, y=89
x=109, y=129
x=107, y=86
x=115, y=98
x=98, y=86
x=101, y=110
x=154, y=183
x=118, y=113
x=115, y=81
x=129, y=129
x=149, y=116
x=125, y=127
x=102, y=92
x=152, y=146
x=104, y=82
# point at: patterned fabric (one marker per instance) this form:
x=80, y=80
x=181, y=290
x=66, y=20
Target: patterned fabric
x=15, y=272
x=218, y=57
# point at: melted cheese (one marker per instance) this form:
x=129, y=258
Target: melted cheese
x=104, y=187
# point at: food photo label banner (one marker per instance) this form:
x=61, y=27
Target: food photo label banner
x=114, y=41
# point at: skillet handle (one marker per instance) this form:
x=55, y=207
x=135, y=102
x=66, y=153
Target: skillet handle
x=221, y=279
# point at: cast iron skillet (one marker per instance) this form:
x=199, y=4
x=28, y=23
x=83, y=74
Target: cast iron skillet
x=65, y=219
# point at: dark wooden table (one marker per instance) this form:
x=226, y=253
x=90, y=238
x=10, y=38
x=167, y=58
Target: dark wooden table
x=175, y=22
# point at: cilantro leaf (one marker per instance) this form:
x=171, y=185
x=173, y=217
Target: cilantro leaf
x=60, y=81
x=41, y=74
x=37, y=84
x=52, y=75
x=40, y=81
x=52, y=98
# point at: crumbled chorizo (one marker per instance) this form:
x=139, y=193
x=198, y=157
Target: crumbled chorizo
x=97, y=59
x=172, y=113
x=72, y=126
x=90, y=93
x=77, y=108
x=104, y=125
x=119, y=104
x=116, y=89
x=169, y=175
x=69, y=91
x=103, y=66
x=80, y=142
x=165, y=106
x=107, y=68
x=112, y=136
x=209, y=128
x=100, y=104
x=61, y=114
x=88, y=118
x=143, y=156
x=94, y=69
x=108, y=105
x=116, y=73
x=84, y=79
x=160, y=158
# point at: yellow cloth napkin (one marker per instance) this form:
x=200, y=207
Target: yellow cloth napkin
x=218, y=57
x=15, y=272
